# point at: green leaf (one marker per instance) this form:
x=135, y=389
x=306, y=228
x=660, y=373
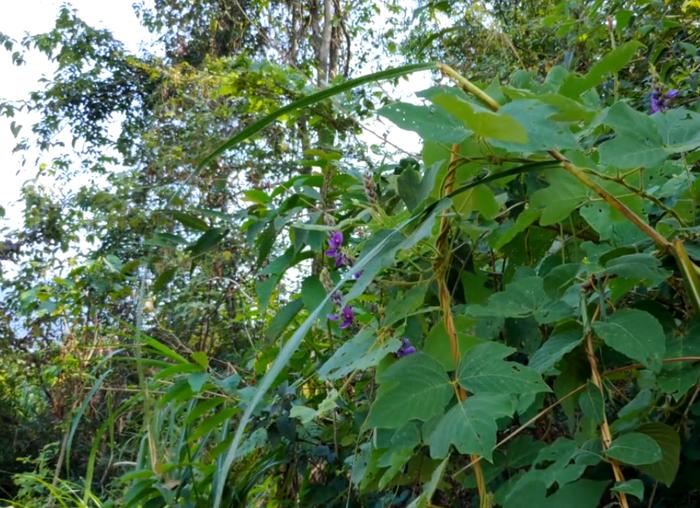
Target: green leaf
x=470, y=426
x=564, y=195
x=437, y=343
x=638, y=266
x=543, y=133
x=635, y=449
x=483, y=370
x=305, y=102
x=197, y=380
x=191, y=221
x=167, y=240
x=637, y=142
x=282, y=319
x=633, y=487
x=568, y=110
x=611, y=63
x=413, y=189
x=212, y=422
x=669, y=441
x=580, y=494
x=554, y=350
x=423, y=501
x=312, y=292
x=481, y=121
x=207, y=241
x=415, y=387
x=359, y=353
x=524, y=297
x=592, y=404
x=428, y=122
x=164, y=350
x=679, y=129
x=163, y=278
x=400, y=308
x=634, y=333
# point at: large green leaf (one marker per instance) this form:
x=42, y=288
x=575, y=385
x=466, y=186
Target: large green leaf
x=482, y=122
x=562, y=197
x=635, y=449
x=679, y=129
x=470, y=426
x=634, y=333
x=483, y=370
x=639, y=266
x=669, y=441
x=524, y=297
x=415, y=387
x=633, y=487
x=543, y=133
x=611, y=63
x=413, y=188
x=581, y=494
x=637, y=142
x=428, y=122
x=554, y=349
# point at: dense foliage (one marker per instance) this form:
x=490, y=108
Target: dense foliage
x=245, y=304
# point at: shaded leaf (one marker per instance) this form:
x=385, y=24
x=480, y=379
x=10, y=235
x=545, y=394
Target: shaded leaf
x=415, y=387
x=635, y=448
x=483, y=370
x=634, y=333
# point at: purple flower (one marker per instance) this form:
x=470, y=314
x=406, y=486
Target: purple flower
x=332, y=317
x=661, y=102
x=341, y=260
x=348, y=317
x=405, y=349
x=656, y=101
x=357, y=274
x=337, y=298
x=335, y=241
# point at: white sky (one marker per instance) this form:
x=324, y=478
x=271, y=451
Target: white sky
x=20, y=17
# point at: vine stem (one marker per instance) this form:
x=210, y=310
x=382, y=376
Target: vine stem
x=441, y=268
x=596, y=378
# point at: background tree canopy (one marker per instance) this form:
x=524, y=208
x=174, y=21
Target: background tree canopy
x=246, y=304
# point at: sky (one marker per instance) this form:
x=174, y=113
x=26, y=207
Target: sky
x=22, y=17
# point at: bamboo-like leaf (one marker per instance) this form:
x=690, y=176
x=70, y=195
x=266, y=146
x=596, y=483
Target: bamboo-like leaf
x=690, y=273
x=308, y=101
x=78, y=416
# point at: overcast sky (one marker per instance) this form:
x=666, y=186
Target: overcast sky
x=20, y=17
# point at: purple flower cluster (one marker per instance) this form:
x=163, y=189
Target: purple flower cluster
x=335, y=242
x=660, y=102
x=348, y=317
x=405, y=349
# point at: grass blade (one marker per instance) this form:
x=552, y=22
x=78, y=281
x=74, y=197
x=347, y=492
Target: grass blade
x=308, y=101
